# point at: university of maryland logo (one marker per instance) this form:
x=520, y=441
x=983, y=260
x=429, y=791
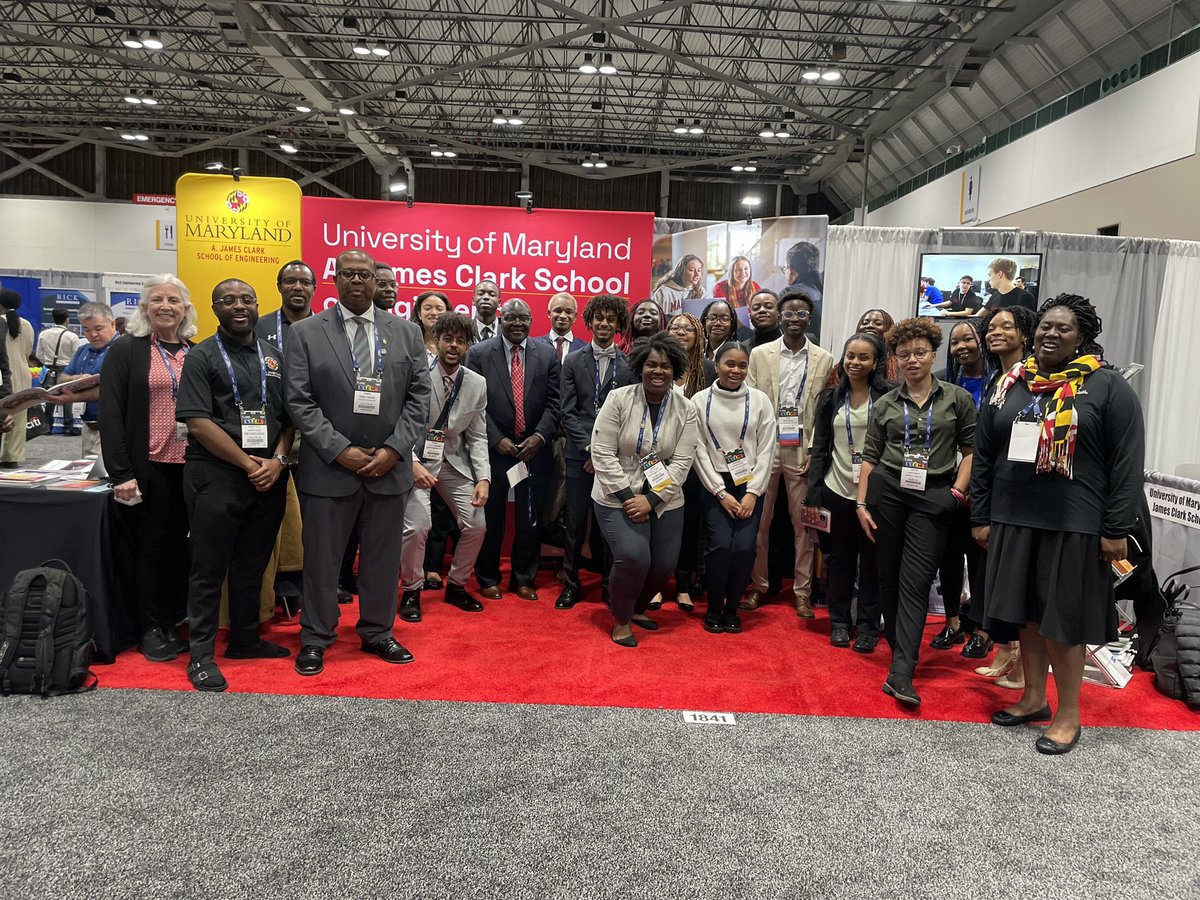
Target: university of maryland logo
x=272, y=363
x=237, y=201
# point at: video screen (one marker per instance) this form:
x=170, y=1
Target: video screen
x=961, y=286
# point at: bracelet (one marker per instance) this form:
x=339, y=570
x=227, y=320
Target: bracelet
x=959, y=496
x=860, y=505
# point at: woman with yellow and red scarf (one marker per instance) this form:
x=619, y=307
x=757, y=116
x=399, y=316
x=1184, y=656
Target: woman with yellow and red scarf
x=1055, y=490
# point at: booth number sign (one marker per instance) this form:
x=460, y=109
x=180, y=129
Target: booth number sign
x=693, y=717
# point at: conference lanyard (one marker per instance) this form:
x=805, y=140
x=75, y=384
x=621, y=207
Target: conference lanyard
x=708, y=421
x=262, y=371
x=928, y=429
x=662, y=414
x=353, y=359
x=279, y=326
x=803, y=382
x=170, y=365
x=849, y=435
x=444, y=416
x=612, y=378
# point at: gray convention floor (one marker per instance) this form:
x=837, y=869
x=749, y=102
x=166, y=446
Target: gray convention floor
x=123, y=793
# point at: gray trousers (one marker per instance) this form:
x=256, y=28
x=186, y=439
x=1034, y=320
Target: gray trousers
x=456, y=490
x=327, y=525
x=643, y=557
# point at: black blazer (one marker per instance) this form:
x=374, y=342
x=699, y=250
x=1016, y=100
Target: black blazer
x=578, y=398
x=543, y=375
x=822, y=446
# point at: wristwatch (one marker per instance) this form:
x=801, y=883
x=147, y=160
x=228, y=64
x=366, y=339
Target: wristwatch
x=282, y=458
x=721, y=494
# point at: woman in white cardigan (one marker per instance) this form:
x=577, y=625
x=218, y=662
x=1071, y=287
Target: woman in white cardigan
x=642, y=448
x=738, y=440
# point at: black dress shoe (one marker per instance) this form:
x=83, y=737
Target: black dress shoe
x=947, y=638
x=1051, y=747
x=839, y=636
x=865, y=643
x=389, y=650
x=260, y=649
x=644, y=622
x=456, y=595
x=732, y=623
x=344, y=596
x=410, y=606
x=1003, y=717
x=714, y=625
x=901, y=687
x=310, y=660
x=433, y=584
x=977, y=647
x=568, y=598
x=628, y=641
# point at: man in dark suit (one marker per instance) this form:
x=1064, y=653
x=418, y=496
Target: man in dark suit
x=523, y=378
x=357, y=389
x=563, y=311
x=600, y=366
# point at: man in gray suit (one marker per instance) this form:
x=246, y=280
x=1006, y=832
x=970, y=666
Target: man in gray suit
x=453, y=458
x=357, y=390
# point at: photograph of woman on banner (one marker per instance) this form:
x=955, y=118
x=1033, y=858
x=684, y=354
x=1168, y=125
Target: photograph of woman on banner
x=738, y=285
x=684, y=282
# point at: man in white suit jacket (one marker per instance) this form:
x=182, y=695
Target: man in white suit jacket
x=453, y=458
x=792, y=372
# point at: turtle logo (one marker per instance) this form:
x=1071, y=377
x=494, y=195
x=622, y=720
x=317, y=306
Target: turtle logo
x=237, y=201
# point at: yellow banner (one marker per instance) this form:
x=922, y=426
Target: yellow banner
x=242, y=229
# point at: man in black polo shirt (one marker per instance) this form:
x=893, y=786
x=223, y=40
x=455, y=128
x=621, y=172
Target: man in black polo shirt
x=297, y=284
x=234, y=478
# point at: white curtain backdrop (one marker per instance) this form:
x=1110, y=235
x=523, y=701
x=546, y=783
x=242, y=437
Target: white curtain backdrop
x=1172, y=420
x=867, y=268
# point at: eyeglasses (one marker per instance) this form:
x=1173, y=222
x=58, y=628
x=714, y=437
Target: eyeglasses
x=918, y=355
x=681, y=329
x=725, y=319
x=233, y=300
x=789, y=314
x=356, y=275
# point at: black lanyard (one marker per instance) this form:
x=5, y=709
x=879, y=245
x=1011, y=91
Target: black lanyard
x=262, y=371
x=708, y=420
x=444, y=416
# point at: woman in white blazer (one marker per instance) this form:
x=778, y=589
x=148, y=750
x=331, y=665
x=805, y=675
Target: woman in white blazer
x=737, y=450
x=642, y=448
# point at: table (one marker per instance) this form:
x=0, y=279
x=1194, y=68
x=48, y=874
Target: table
x=81, y=529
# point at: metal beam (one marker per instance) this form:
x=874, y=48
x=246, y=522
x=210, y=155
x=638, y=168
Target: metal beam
x=32, y=163
x=42, y=170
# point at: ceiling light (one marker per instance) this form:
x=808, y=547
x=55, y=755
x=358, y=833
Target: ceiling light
x=129, y=137
x=434, y=151
x=601, y=164
x=811, y=75
x=214, y=166
x=361, y=49
x=300, y=107
x=380, y=51
x=515, y=118
x=766, y=132
x=398, y=187
x=751, y=201
x=750, y=168
x=588, y=164
x=132, y=40
x=607, y=67
x=130, y=98
x=783, y=132
x=588, y=66
x=679, y=128
x=346, y=110
x=831, y=75
x=696, y=129
x=141, y=137
x=149, y=99
x=449, y=154
x=736, y=168
x=499, y=118
x=152, y=41
x=288, y=148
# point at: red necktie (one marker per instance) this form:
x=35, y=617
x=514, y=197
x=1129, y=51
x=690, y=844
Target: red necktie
x=562, y=348
x=518, y=388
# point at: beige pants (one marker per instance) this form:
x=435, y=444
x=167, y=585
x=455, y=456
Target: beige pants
x=797, y=489
x=91, y=439
x=14, y=441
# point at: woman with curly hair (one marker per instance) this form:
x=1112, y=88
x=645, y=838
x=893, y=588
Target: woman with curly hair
x=738, y=285
x=1057, y=490
x=909, y=488
x=684, y=282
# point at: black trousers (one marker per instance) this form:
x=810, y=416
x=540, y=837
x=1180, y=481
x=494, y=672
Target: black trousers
x=694, y=517
x=851, y=553
x=960, y=544
x=526, y=553
x=909, y=543
x=729, y=559
x=576, y=512
x=159, y=525
x=233, y=533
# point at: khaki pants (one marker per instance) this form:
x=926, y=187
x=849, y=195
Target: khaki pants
x=91, y=439
x=14, y=441
x=797, y=489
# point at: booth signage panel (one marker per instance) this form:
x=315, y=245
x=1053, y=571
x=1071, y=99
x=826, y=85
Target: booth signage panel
x=451, y=247
x=1181, y=507
x=242, y=229
x=69, y=299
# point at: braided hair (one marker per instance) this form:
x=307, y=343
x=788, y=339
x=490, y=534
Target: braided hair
x=1086, y=318
x=694, y=374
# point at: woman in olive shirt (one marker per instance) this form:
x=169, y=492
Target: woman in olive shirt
x=911, y=485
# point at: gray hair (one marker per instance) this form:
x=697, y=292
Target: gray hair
x=139, y=323
x=95, y=311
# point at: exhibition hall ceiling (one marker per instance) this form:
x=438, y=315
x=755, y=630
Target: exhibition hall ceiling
x=788, y=89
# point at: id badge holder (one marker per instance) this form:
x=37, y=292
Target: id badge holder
x=739, y=467
x=254, y=429
x=367, y=393
x=656, y=473
x=915, y=471
x=856, y=466
x=1023, y=441
x=435, y=445
x=181, y=431
x=789, y=426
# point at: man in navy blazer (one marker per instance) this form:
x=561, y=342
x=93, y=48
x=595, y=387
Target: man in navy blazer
x=357, y=388
x=600, y=364
x=516, y=434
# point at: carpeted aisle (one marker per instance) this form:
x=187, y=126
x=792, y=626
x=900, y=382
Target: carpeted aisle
x=518, y=651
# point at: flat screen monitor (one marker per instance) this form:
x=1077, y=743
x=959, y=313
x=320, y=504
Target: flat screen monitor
x=947, y=274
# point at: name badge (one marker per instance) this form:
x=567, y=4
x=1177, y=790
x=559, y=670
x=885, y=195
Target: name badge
x=915, y=471
x=367, y=393
x=1023, y=442
x=181, y=432
x=656, y=473
x=435, y=445
x=856, y=466
x=254, y=429
x=790, y=429
x=740, y=469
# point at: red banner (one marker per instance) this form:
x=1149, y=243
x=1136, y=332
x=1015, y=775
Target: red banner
x=450, y=248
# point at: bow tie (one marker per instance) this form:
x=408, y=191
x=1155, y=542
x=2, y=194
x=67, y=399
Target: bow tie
x=610, y=353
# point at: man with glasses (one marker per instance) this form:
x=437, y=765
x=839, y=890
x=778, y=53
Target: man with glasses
x=385, y=288
x=523, y=382
x=357, y=389
x=234, y=478
x=297, y=284
x=792, y=372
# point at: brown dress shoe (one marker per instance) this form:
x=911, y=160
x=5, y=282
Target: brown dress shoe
x=525, y=592
x=751, y=600
x=490, y=593
x=804, y=608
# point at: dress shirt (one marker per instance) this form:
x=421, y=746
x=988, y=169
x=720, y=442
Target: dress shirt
x=365, y=366
x=508, y=353
x=494, y=326
x=605, y=357
x=793, y=364
x=554, y=337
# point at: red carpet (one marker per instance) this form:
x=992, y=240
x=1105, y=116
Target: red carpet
x=518, y=651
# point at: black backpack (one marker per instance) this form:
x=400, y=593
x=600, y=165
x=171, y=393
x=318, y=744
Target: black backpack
x=1175, y=654
x=46, y=640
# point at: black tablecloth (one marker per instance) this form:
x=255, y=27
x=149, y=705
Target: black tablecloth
x=80, y=528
